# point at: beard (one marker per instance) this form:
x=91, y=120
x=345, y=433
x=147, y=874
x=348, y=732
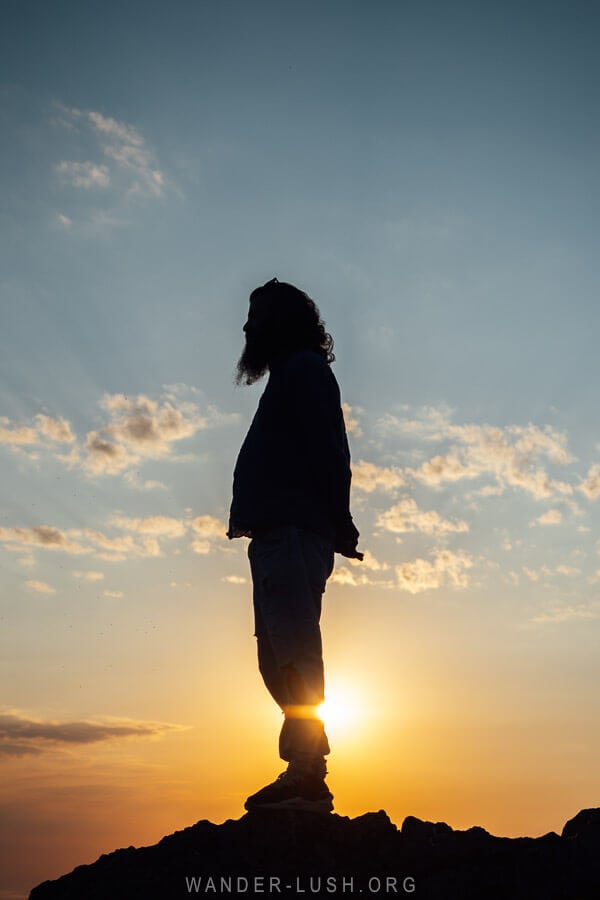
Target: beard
x=254, y=361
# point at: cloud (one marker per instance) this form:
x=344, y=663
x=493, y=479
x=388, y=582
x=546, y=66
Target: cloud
x=89, y=575
x=139, y=428
x=430, y=423
x=567, y=613
x=124, y=144
x=16, y=434
x=136, y=429
x=355, y=578
x=117, y=594
x=406, y=516
x=352, y=423
x=40, y=587
x=46, y=432
x=569, y=571
x=535, y=575
x=140, y=539
x=58, y=431
x=118, y=549
x=148, y=484
x=21, y=735
x=166, y=526
x=127, y=160
x=591, y=486
x=551, y=517
x=415, y=576
x=508, y=454
x=447, y=568
x=44, y=536
x=106, y=457
x=27, y=561
x=368, y=477
x=85, y=175
x=207, y=530
x=235, y=579
x=512, y=455
x=444, y=468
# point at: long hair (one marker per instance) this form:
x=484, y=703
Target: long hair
x=295, y=319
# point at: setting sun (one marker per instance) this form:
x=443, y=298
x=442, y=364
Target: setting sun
x=341, y=710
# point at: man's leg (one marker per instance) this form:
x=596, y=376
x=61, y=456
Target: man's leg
x=290, y=567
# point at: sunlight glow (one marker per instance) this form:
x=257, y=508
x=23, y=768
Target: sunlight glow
x=341, y=710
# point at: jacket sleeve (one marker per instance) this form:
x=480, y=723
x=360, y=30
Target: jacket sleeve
x=319, y=421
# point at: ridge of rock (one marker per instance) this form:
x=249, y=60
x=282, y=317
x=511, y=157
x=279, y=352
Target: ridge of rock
x=274, y=853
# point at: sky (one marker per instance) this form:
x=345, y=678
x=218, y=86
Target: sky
x=428, y=173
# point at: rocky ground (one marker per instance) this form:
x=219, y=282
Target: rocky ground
x=277, y=854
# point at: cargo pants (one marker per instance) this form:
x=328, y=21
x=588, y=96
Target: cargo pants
x=290, y=566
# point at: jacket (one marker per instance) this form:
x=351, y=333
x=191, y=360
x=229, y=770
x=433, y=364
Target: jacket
x=294, y=464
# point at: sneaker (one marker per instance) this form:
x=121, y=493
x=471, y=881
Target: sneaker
x=294, y=790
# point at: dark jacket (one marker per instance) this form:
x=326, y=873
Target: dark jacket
x=294, y=464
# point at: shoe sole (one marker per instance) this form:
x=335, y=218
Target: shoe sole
x=297, y=804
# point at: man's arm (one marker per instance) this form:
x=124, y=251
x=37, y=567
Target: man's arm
x=317, y=414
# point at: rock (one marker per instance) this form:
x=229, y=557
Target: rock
x=585, y=824
x=276, y=853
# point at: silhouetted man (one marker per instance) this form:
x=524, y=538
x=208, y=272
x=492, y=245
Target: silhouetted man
x=291, y=496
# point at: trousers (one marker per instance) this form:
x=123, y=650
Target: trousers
x=290, y=566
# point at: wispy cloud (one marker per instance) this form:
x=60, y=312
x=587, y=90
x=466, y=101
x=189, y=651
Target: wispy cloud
x=127, y=159
x=207, y=530
x=360, y=573
x=567, y=613
x=568, y=571
x=406, y=516
x=367, y=476
x=445, y=569
x=83, y=174
x=354, y=578
x=90, y=575
x=137, y=429
x=551, y=517
x=138, y=538
x=40, y=587
x=545, y=572
x=21, y=735
x=513, y=456
x=165, y=526
x=591, y=485
x=64, y=221
x=121, y=548
x=46, y=431
x=43, y=536
x=537, y=574
x=125, y=145
x=351, y=420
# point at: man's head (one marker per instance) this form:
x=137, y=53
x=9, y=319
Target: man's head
x=281, y=318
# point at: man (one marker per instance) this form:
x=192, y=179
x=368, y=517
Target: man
x=291, y=496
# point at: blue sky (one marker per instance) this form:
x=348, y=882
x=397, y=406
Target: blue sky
x=428, y=173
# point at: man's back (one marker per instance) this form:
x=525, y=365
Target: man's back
x=294, y=465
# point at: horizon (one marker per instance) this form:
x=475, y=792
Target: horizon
x=428, y=175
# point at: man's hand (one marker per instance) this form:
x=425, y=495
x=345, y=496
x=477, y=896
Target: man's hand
x=347, y=540
x=351, y=553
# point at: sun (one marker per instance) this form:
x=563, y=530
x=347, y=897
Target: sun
x=341, y=710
